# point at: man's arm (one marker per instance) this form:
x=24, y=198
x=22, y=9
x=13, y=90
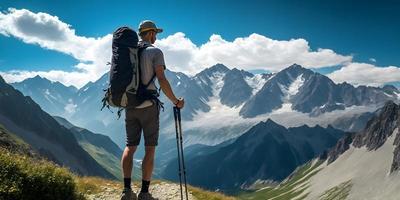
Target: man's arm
x=166, y=87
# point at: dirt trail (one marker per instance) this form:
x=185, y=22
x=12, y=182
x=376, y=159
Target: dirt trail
x=162, y=191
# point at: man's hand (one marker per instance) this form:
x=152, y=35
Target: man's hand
x=180, y=103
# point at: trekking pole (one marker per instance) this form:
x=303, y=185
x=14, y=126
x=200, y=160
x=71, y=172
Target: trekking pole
x=182, y=157
x=178, y=147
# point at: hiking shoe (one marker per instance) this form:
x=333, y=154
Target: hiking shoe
x=128, y=194
x=146, y=196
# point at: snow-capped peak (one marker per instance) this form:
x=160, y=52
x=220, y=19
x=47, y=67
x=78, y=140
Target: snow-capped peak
x=257, y=82
x=293, y=88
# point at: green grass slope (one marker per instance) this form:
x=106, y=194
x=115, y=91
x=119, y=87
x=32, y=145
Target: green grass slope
x=25, y=175
x=291, y=188
x=101, y=148
x=109, y=161
x=13, y=143
x=339, y=192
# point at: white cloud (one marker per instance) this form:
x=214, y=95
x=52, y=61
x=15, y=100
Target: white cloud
x=366, y=74
x=50, y=32
x=252, y=52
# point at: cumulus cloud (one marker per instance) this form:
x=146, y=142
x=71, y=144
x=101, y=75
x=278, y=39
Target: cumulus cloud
x=252, y=52
x=50, y=32
x=366, y=74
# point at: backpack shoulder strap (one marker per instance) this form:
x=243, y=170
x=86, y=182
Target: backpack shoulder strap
x=141, y=48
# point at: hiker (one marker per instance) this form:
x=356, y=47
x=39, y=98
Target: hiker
x=145, y=116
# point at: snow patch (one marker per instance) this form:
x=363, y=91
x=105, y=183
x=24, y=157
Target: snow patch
x=47, y=92
x=389, y=95
x=70, y=107
x=295, y=86
x=85, y=99
x=398, y=95
x=288, y=93
x=47, y=97
x=257, y=82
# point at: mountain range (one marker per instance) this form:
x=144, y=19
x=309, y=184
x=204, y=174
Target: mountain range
x=237, y=97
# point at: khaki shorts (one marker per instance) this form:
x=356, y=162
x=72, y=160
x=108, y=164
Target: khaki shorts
x=146, y=119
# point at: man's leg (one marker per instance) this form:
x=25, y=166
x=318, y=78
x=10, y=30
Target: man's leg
x=147, y=168
x=148, y=163
x=133, y=131
x=127, y=161
x=151, y=132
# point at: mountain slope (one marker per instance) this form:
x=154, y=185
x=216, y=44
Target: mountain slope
x=353, y=123
x=184, y=86
x=290, y=188
x=14, y=144
x=99, y=146
x=29, y=122
x=267, y=151
x=363, y=165
x=235, y=90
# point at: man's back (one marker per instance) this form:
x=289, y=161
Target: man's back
x=149, y=59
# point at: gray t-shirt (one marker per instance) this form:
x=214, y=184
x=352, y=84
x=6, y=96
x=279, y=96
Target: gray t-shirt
x=149, y=59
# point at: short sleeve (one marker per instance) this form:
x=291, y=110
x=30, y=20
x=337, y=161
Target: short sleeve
x=158, y=58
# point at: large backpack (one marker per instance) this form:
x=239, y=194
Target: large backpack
x=125, y=84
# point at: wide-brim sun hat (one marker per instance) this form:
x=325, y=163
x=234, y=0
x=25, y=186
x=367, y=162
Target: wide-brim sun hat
x=148, y=25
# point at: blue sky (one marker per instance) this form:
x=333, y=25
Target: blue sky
x=366, y=30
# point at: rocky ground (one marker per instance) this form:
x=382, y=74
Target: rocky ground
x=162, y=191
